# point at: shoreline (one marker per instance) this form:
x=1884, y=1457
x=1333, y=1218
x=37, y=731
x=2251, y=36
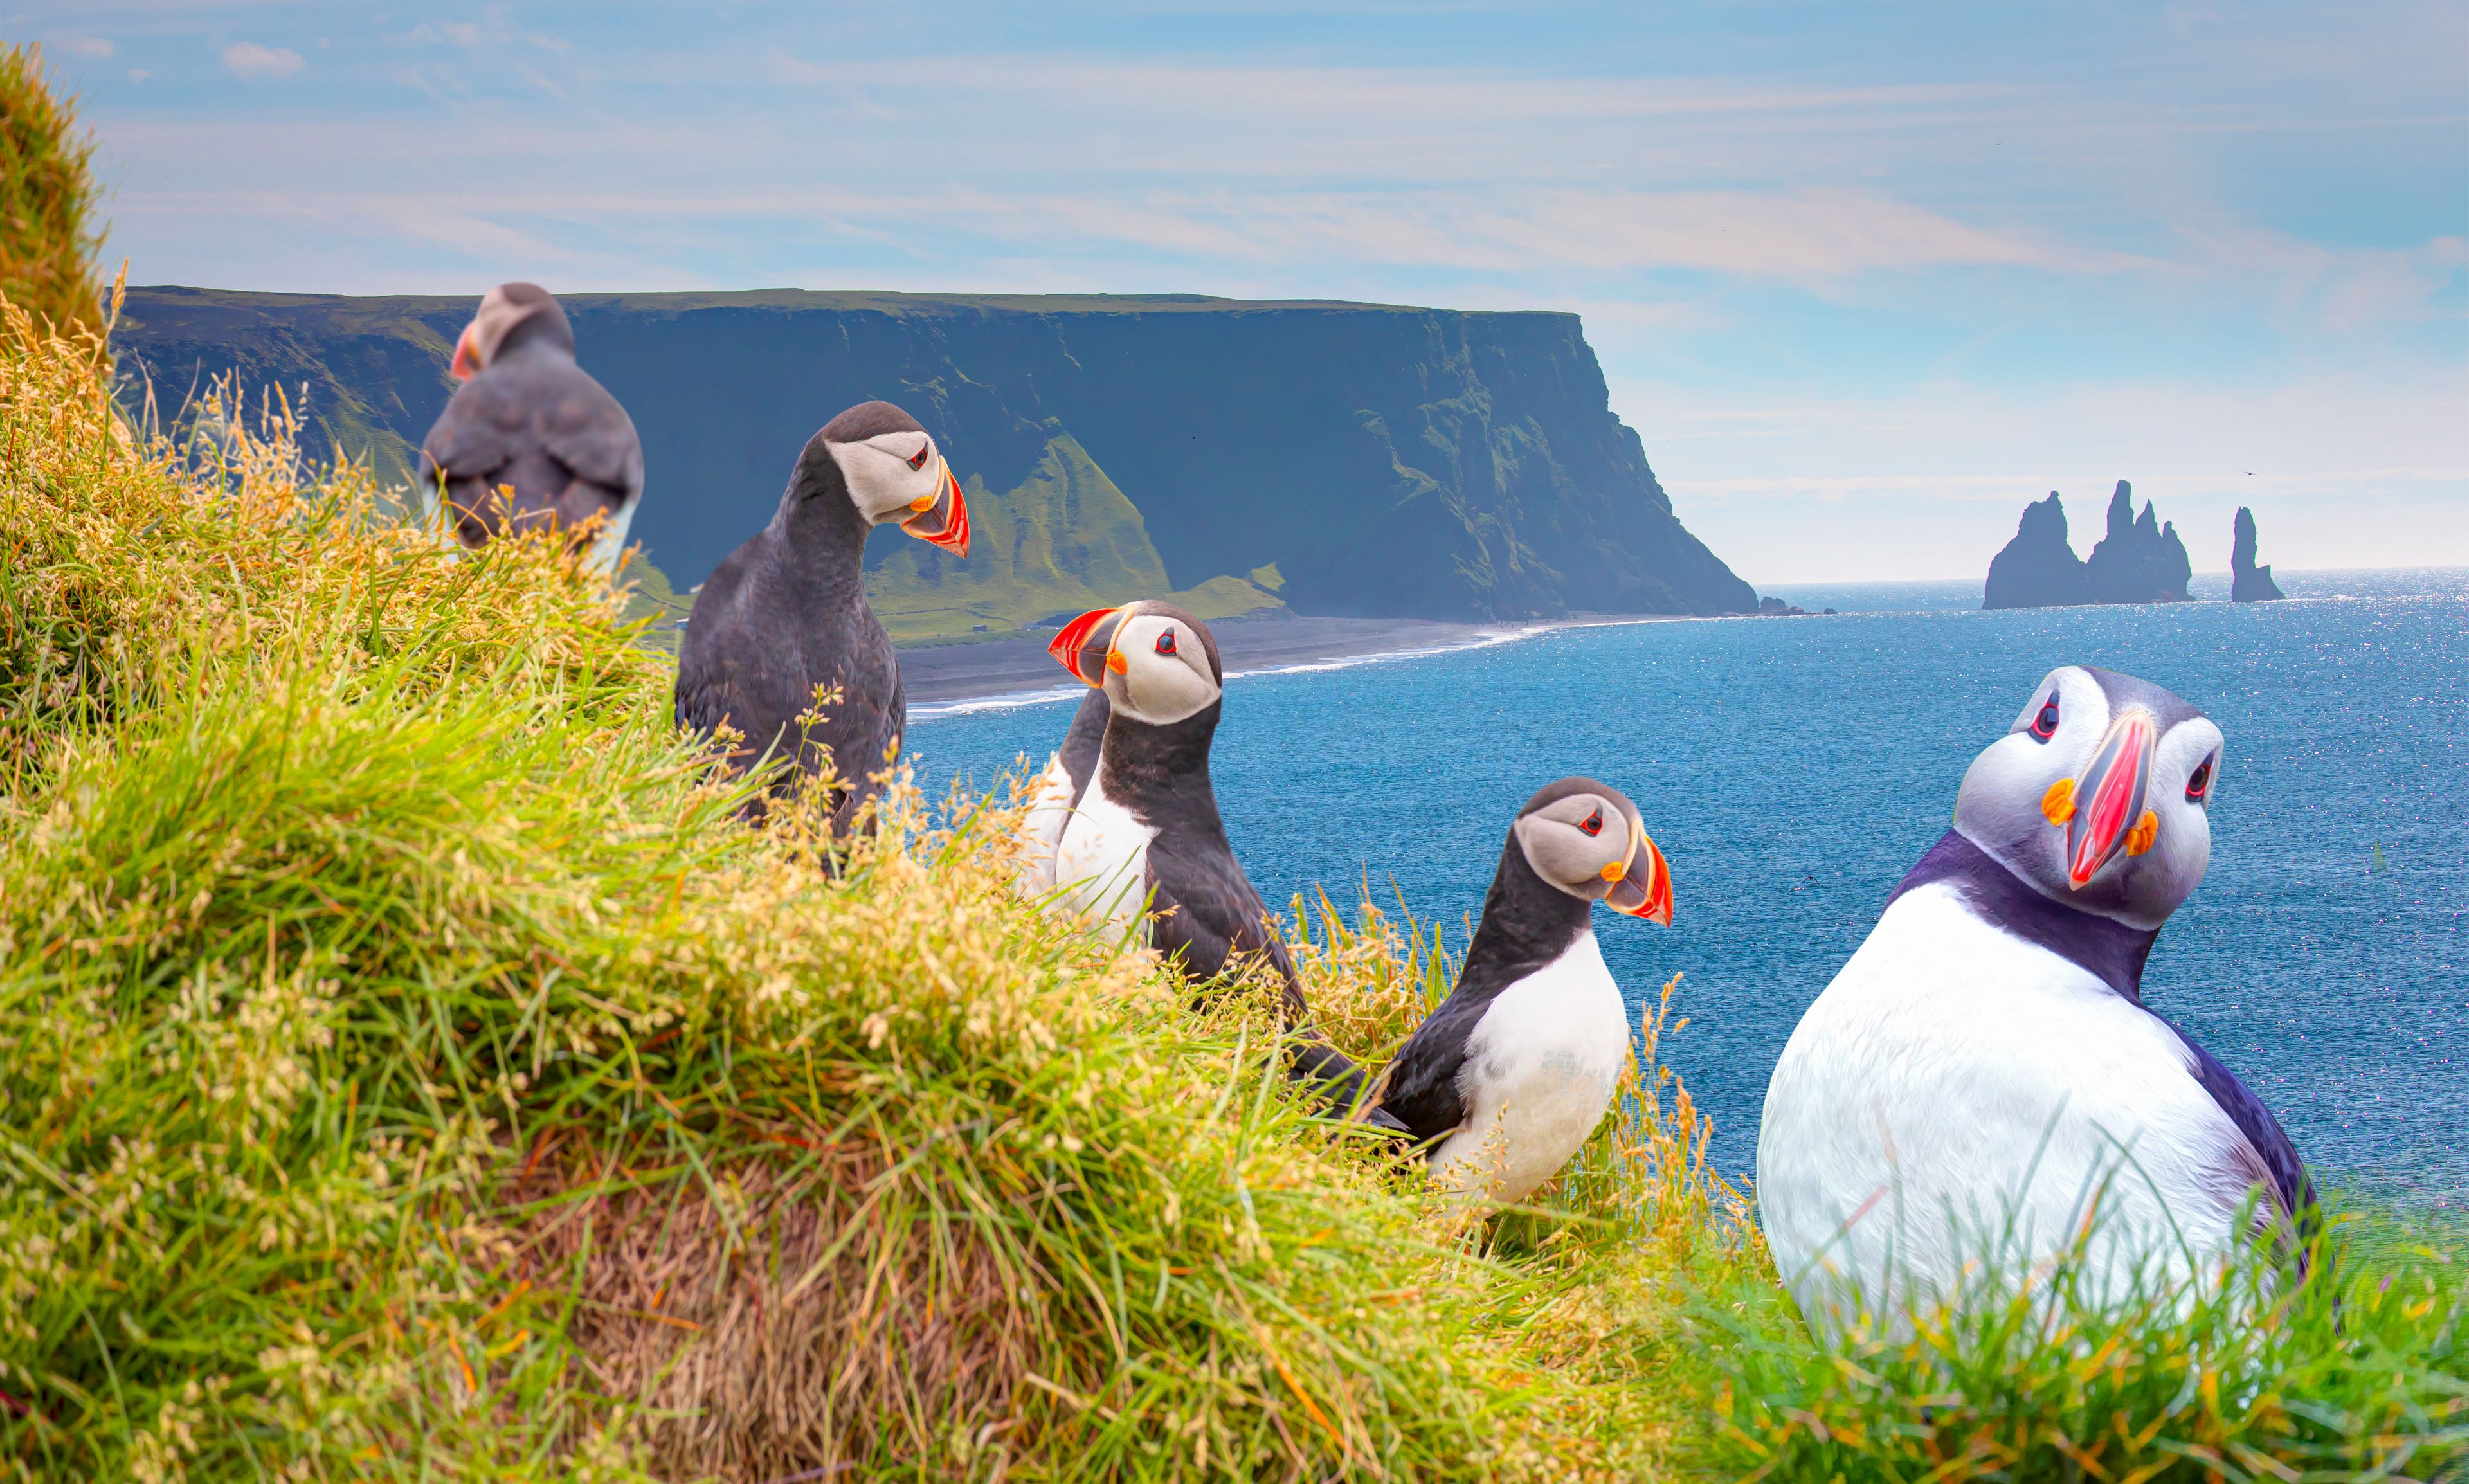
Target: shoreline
x=947, y=680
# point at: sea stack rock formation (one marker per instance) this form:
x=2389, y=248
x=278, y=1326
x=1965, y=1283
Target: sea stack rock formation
x=2038, y=569
x=2140, y=560
x=2248, y=582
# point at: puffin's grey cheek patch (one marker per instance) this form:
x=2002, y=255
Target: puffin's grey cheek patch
x=1564, y=855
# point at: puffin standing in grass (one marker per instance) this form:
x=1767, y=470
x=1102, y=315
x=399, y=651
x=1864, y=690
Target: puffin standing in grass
x=529, y=419
x=1057, y=793
x=786, y=614
x=1144, y=847
x=1983, y=1083
x=1510, y=1075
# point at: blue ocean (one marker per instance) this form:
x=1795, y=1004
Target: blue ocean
x=1793, y=769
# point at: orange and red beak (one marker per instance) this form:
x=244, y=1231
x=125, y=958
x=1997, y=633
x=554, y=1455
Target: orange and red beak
x=943, y=518
x=1086, y=647
x=2109, y=813
x=1642, y=883
x=467, y=354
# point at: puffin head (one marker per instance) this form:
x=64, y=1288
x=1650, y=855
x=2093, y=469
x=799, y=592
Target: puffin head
x=1586, y=838
x=1157, y=663
x=890, y=471
x=511, y=316
x=2099, y=795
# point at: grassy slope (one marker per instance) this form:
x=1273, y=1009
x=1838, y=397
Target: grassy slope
x=409, y=1067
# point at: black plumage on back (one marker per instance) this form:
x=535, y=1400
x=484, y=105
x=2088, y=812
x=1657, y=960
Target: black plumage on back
x=534, y=420
x=1084, y=739
x=787, y=613
x=1527, y=924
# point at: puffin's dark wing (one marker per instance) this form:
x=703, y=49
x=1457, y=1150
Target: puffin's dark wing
x=1081, y=744
x=586, y=430
x=1423, y=1081
x=2289, y=1184
x=721, y=675
x=1208, y=914
x=477, y=436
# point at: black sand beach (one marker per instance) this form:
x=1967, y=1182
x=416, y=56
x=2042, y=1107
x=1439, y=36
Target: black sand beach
x=942, y=674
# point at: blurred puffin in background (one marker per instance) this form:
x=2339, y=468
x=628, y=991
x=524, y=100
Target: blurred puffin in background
x=530, y=439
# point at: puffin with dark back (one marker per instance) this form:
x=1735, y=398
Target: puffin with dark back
x=1057, y=792
x=1144, y=847
x=1507, y=1078
x=1982, y=1081
x=529, y=419
x=786, y=614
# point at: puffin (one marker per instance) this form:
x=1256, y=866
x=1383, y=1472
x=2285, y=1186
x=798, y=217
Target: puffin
x=1057, y=793
x=528, y=419
x=786, y=614
x=1502, y=1082
x=1144, y=848
x=1983, y=1082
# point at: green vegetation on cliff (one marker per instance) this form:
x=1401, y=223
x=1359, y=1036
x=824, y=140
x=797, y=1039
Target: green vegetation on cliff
x=1061, y=541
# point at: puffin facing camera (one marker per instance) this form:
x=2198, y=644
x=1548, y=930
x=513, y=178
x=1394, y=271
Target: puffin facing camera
x=2098, y=795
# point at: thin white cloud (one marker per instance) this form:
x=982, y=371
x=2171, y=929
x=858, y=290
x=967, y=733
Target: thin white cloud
x=93, y=48
x=259, y=62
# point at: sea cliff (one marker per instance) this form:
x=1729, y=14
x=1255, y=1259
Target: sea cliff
x=1339, y=458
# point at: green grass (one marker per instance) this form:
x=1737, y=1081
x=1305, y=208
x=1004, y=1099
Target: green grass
x=49, y=231
x=2361, y=1372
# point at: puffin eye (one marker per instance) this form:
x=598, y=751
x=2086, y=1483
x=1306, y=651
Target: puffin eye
x=918, y=460
x=1165, y=642
x=2201, y=783
x=1593, y=823
x=2045, y=724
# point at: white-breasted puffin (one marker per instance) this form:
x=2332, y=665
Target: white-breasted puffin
x=1058, y=791
x=787, y=613
x=1507, y=1078
x=1982, y=1081
x=1145, y=848
x=1519, y=1063
x=527, y=418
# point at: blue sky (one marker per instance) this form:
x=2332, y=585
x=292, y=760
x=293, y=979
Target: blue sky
x=1865, y=278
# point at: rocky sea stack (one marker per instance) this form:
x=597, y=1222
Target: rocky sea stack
x=2140, y=560
x=2248, y=582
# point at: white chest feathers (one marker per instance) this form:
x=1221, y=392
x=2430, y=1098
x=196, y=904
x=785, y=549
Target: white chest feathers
x=1538, y=1072
x=1960, y=1097
x=1041, y=829
x=1102, y=861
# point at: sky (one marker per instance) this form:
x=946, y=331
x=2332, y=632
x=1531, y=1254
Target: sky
x=1864, y=278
